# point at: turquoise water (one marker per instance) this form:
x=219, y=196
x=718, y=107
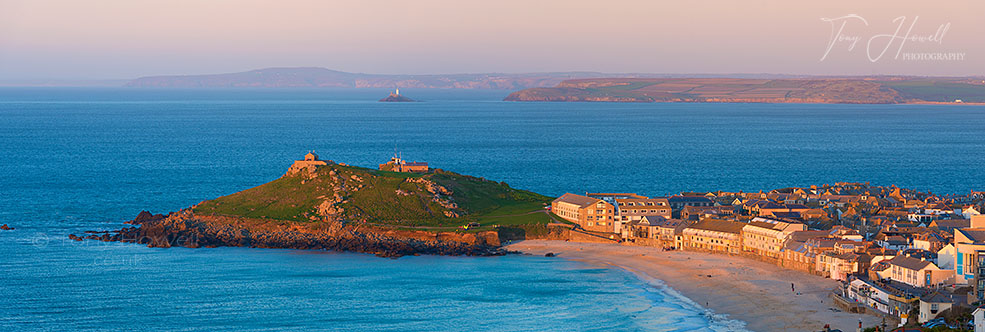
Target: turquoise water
x=84, y=159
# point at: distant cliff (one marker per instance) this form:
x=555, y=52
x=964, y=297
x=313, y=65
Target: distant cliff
x=320, y=77
x=855, y=90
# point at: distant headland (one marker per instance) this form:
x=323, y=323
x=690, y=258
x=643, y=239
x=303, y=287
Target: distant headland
x=618, y=87
x=850, y=90
x=314, y=77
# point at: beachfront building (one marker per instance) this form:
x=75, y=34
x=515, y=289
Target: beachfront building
x=645, y=231
x=838, y=266
x=714, y=235
x=918, y=272
x=797, y=254
x=592, y=214
x=670, y=233
x=398, y=164
x=888, y=297
x=635, y=208
x=678, y=202
x=765, y=237
x=869, y=293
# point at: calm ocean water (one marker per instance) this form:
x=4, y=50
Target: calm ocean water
x=85, y=159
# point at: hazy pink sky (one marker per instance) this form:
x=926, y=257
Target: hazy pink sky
x=47, y=39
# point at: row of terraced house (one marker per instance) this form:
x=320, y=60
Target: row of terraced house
x=917, y=249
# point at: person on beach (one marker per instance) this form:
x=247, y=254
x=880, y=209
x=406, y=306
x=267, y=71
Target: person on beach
x=792, y=288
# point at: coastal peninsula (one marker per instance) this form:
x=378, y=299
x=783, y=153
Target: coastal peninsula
x=404, y=208
x=851, y=90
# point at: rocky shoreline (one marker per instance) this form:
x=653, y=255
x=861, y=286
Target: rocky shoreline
x=185, y=229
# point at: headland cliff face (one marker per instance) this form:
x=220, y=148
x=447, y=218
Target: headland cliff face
x=185, y=229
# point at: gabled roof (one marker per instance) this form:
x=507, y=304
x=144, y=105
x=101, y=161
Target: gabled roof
x=936, y=297
x=719, y=226
x=790, y=215
x=652, y=221
x=879, y=266
x=974, y=234
x=579, y=200
x=952, y=223
x=909, y=263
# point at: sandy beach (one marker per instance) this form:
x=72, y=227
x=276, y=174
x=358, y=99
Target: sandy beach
x=755, y=292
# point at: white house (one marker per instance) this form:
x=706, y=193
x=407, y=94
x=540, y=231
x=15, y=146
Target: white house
x=867, y=293
x=970, y=211
x=979, y=315
x=932, y=304
x=945, y=257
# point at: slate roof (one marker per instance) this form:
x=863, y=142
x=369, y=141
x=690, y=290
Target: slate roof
x=719, y=226
x=936, y=297
x=689, y=199
x=977, y=235
x=953, y=223
x=909, y=263
x=581, y=201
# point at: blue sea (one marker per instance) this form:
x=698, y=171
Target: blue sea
x=76, y=159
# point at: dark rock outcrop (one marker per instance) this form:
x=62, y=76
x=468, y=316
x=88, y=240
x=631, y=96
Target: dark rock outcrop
x=6, y=228
x=145, y=216
x=186, y=229
x=396, y=98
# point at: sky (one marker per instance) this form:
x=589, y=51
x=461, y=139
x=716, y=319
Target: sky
x=121, y=39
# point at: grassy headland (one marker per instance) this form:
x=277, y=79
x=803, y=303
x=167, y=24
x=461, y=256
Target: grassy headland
x=439, y=199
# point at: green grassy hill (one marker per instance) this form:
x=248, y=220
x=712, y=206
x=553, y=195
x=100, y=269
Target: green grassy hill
x=439, y=199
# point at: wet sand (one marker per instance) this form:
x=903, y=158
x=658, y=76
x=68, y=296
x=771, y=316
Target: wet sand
x=755, y=292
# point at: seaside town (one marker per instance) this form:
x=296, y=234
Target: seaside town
x=912, y=257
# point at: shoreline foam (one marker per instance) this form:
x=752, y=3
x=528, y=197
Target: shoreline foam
x=742, y=289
